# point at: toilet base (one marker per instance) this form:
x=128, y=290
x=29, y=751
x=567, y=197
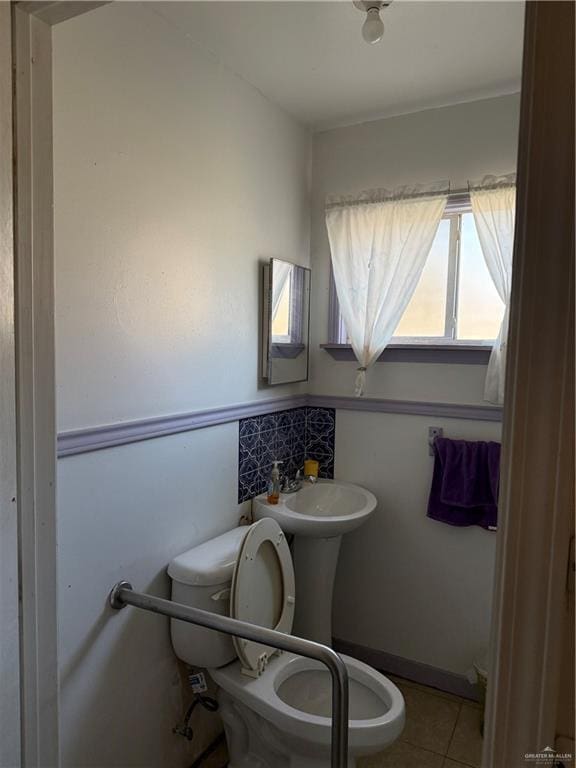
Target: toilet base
x=282, y=718
x=254, y=743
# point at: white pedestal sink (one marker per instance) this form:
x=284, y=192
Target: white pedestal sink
x=318, y=514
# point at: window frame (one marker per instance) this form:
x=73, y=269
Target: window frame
x=295, y=319
x=456, y=206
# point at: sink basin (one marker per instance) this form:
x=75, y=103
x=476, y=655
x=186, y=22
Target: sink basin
x=320, y=510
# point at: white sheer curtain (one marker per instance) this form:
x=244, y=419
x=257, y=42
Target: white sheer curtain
x=379, y=245
x=493, y=205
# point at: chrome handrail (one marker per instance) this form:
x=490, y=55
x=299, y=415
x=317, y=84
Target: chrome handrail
x=122, y=594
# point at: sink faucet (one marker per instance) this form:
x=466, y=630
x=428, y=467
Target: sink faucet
x=289, y=485
x=301, y=476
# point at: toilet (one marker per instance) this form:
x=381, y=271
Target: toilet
x=276, y=706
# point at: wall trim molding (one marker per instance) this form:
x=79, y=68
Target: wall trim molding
x=52, y=13
x=417, y=671
x=89, y=439
x=74, y=442
x=409, y=407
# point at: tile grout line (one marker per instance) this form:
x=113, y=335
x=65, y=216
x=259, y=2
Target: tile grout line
x=437, y=693
x=424, y=749
x=454, y=729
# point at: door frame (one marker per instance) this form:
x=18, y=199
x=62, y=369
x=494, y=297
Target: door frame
x=35, y=389
x=528, y=612
x=28, y=80
x=9, y=561
x=531, y=595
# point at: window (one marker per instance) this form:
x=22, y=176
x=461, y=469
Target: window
x=455, y=301
x=287, y=292
x=281, y=317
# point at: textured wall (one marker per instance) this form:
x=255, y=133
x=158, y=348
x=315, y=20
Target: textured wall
x=407, y=585
x=173, y=180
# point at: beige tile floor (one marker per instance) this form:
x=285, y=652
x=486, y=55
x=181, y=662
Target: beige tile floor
x=442, y=731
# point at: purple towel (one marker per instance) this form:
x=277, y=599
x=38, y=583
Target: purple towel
x=465, y=483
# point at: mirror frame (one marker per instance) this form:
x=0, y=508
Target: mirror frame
x=289, y=350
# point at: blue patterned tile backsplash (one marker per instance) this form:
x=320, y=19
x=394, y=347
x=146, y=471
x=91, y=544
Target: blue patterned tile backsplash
x=289, y=436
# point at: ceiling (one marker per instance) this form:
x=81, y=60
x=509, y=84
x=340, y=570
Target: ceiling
x=309, y=57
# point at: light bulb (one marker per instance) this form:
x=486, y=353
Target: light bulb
x=373, y=28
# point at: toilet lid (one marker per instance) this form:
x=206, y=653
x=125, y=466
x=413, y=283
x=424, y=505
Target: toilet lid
x=263, y=590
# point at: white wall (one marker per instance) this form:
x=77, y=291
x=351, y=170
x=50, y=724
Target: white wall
x=173, y=178
x=457, y=143
x=123, y=514
x=407, y=585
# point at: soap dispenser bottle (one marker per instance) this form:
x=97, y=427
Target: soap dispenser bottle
x=274, y=484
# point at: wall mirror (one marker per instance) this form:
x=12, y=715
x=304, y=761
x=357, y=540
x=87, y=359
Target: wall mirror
x=285, y=322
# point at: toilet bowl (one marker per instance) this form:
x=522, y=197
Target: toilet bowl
x=283, y=717
x=276, y=707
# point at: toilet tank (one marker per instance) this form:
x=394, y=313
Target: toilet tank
x=201, y=578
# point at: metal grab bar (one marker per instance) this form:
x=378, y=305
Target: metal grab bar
x=122, y=594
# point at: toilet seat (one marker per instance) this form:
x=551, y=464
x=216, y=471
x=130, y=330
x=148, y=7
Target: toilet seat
x=263, y=591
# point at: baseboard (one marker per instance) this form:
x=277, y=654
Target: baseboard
x=416, y=671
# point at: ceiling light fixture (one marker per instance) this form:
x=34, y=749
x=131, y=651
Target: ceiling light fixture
x=373, y=28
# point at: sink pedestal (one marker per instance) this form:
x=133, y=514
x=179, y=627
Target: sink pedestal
x=318, y=514
x=315, y=562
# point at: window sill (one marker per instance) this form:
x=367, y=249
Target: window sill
x=455, y=353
